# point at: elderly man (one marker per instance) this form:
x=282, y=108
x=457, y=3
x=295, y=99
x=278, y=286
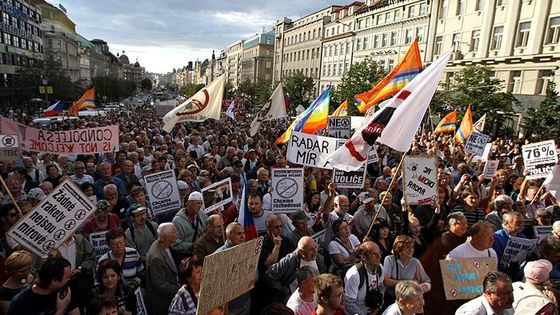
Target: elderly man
x=340, y=212
x=500, y=205
x=366, y=212
x=117, y=204
x=142, y=232
x=512, y=226
x=161, y=277
x=363, y=278
x=127, y=257
x=300, y=221
x=409, y=299
x=190, y=223
x=496, y=299
x=35, y=174
x=104, y=170
x=282, y=275
x=274, y=246
x=127, y=175
x=79, y=176
x=212, y=239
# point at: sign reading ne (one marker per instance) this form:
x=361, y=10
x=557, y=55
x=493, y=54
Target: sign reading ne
x=517, y=249
x=462, y=278
x=476, y=143
x=9, y=148
x=539, y=158
x=53, y=220
x=310, y=150
x=420, y=179
x=163, y=191
x=228, y=275
x=351, y=179
x=339, y=127
x=217, y=195
x=287, y=195
x=99, y=242
x=77, y=141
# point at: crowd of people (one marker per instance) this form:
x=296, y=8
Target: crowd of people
x=378, y=255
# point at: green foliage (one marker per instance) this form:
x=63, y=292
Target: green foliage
x=300, y=88
x=251, y=94
x=112, y=88
x=172, y=87
x=543, y=122
x=29, y=78
x=229, y=92
x=146, y=84
x=190, y=89
x=360, y=78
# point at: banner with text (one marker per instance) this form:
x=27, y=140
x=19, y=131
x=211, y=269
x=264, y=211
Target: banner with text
x=163, y=191
x=476, y=143
x=339, y=127
x=542, y=231
x=462, y=278
x=420, y=179
x=490, y=168
x=351, y=179
x=99, y=242
x=53, y=220
x=77, y=141
x=9, y=148
x=287, y=195
x=217, y=195
x=310, y=150
x=539, y=158
x=517, y=249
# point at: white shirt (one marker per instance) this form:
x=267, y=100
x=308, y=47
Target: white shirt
x=393, y=309
x=336, y=248
x=479, y=306
x=466, y=250
x=352, y=283
x=68, y=251
x=299, y=306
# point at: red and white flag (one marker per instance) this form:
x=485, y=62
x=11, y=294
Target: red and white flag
x=396, y=123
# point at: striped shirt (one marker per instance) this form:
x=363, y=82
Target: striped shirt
x=132, y=266
x=473, y=216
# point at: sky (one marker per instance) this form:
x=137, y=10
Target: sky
x=167, y=34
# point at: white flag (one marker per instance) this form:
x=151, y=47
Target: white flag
x=552, y=181
x=479, y=124
x=396, y=123
x=273, y=109
x=205, y=104
x=230, y=112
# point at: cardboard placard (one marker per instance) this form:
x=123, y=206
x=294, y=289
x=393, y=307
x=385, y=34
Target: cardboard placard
x=462, y=278
x=351, y=179
x=53, y=220
x=228, y=275
x=9, y=148
x=539, y=158
x=420, y=179
x=490, y=168
x=476, y=143
x=287, y=195
x=217, y=195
x=310, y=150
x=99, y=243
x=373, y=156
x=339, y=127
x=542, y=231
x=319, y=237
x=163, y=191
x=517, y=249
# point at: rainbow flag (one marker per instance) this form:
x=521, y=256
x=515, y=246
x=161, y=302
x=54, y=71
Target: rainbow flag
x=447, y=124
x=393, y=82
x=86, y=101
x=466, y=127
x=315, y=117
x=342, y=110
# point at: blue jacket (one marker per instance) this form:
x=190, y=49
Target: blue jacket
x=99, y=184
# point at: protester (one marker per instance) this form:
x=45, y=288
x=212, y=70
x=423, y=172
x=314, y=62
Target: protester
x=329, y=290
x=142, y=232
x=409, y=299
x=190, y=223
x=303, y=300
x=496, y=299
x=535, y=295
x=110, y=283
x=19, y=268
x=128, y=258
x=212, y=239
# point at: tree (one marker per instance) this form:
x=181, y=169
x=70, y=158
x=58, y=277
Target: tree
x=229, y=91
x=190, y=89
x=543, y=122
x=112, y=89
x=361, y=77
x=300, y=88
x=250, y=95
x=146, y=84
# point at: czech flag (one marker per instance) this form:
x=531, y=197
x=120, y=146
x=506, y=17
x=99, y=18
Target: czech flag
x=447, y=124
x=53, y=110
x=86, y=101
x=398, y=78
x=315, y=117
x=245, y=217
x=466, y=127
x=341, y=111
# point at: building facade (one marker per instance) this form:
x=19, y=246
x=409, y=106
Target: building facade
x=233, y=70
x=257, y=57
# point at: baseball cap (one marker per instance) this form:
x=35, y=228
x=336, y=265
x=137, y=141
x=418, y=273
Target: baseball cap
x=196, y=196
x=135, y=208
x=36, y=193
x=300, y=216
x=182, y=185
x=102, y=205
x=538, y=270
x=367, y=198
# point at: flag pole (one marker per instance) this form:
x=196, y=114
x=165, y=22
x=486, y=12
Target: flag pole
x=385, y=196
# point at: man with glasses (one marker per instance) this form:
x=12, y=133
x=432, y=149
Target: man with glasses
x=79, y=176
x=212, y=239
x=274, y=246
x=330, y=295
x=496, y=299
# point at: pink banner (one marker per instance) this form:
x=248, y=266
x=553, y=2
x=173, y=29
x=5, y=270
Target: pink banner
x=78, y=141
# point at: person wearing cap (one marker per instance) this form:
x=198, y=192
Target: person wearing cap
x=212, y=239
x=142, y=232
x=190, y=223
x=366, y=212
x=102, y=220
x=299, y=220
x=535, y=295
x=183, y=191
x=35, y=196
x=238, y=170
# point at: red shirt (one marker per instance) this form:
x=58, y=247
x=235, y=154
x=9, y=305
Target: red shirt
x=91, y=225
x=335, y=313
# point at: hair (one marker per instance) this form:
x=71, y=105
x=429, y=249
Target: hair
x=271, y=218
x=509, y=216
x=114, y=233
x=261, y=170
x=337, y=199
x=99, y=302
x=336, y=225
x=231, y=228
x=49, y=166
x=407, y=289
x=52, y=270
x=454, y=217
x=211, y=219
x=163, y=230
x=17, y=260
x=550, y=244
x=324, y=284
x=186, y=268
x=480, y=227
x=106, y=265
x=502, y=201
x=491, y=279
x=305, y=273
x=556, y=226
x=110, y=187
x=400, y=242
x=255, y=195
x=5, y=209
x=467, y=192
x=277, y=309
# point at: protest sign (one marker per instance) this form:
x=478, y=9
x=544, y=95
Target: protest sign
x=318, y=237
x=373, y=156
x=228, y=275
x=542, y=231
x=351, y=179
x=217, y=195
x=420, y=179
x=163, y=191
x=99, y=242
x=78, y=141
x=462, y=278
x=517, y=249
x=9, y=148
x=287, y=195
x=476, y=143
x=339, y=127
x=490, y=168
x=310, y=150
x=53, y=220
x=140, y=306
x=539, y=158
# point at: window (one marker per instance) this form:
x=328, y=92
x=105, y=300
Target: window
x=330, y=50
x=393, y=38
x=553, y=31
x=456, y=40
x=381, y=63
x=397, y=15
x=411, y=11
x=346, y=67
x=501, y=2
x=358, y=43
x=336, y=50
x=329, y=70
x=420, y=34
x=422, y=10
x=340, y=69
x=368, y=20
x=442, y=12
x=460, y=7
x=497, y=38
x=480, y=5
x=365, y=44
x=438, y=45
x=376, y=42
x=348, y=47
x=378, y=19
x=515, y=82
x=385, y=40
x=268, y=65
x=408, y=36
x=387, y=17
x=475, y=39
x=390, y=64
x=545, y=77
x=523, y=34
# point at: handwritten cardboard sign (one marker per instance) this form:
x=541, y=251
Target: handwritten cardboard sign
x=462, y=278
